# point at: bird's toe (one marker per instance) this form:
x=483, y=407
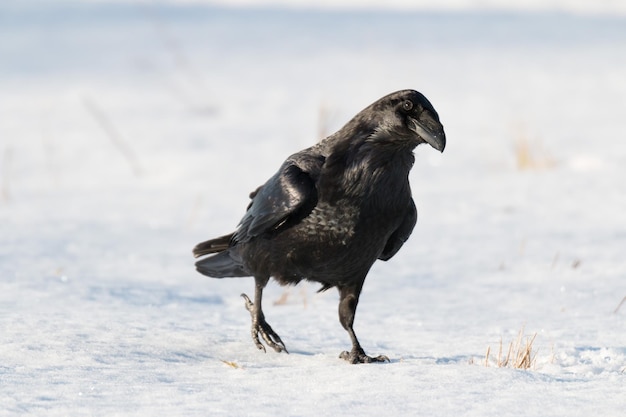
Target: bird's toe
x=271, y=338
x=359, y=356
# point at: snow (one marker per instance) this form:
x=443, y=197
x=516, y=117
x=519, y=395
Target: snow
x=131, y=131
x=573, y=6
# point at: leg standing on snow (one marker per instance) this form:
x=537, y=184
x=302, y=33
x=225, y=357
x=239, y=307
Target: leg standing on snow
x=348, y=300
x=259, y=325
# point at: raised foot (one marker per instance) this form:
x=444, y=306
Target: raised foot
x=260, y=326
x=359, y=356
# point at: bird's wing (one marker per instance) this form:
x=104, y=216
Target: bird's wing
x=401, y=234
x=283, y=200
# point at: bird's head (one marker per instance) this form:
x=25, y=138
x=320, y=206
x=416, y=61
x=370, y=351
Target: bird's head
x=407, y=116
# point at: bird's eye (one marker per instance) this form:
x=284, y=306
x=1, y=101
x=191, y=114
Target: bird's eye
x=407, y=105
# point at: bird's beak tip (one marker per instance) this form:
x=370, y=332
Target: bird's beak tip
x=436, y=140
x=442, y=141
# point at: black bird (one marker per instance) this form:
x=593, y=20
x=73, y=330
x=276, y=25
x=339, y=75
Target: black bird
x=330, y=212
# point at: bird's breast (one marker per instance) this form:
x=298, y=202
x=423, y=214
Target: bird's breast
x=337, y=241
x=331, y=222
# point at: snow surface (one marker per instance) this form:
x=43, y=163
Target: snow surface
x=130, y=132
x=572, y=6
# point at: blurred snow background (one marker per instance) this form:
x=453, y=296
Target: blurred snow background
x=130, y=131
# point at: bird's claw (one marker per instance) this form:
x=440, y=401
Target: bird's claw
x=260, y=326
x=359, y=356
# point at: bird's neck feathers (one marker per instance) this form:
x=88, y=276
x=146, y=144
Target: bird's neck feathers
x=360, y=166
x=367, y=139
x=379, y=136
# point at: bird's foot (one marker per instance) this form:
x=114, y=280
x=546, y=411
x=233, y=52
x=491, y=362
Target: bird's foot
x=260, y=326
x=359, y=356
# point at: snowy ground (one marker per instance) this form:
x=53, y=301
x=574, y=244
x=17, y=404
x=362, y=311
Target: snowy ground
x=130, y=132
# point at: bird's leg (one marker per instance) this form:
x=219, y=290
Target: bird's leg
x=348, y=300
x=259, y=325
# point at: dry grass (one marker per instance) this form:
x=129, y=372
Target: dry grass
x=530, y=155
x=195, y=211
x=284, y=297
x=519, y=355
x=323, y=121
x=122, y=145
x=232, y=364
x=327, y=119
x=7, y=157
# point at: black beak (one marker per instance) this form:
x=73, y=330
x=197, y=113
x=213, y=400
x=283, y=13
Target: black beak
x=434, y=137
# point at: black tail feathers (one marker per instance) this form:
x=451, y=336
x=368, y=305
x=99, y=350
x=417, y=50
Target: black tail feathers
x=218, y=244
x=222, y=265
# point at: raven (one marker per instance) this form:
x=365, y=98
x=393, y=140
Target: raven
x=330, y=212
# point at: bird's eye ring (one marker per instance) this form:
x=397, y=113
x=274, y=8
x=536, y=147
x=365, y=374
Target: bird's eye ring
x=407, y=105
